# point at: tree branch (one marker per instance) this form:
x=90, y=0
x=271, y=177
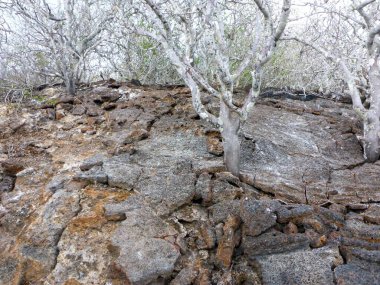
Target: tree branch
x=349, y=78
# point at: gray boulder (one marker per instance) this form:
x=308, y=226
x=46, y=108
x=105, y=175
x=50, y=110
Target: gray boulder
x=258, y=216
x=121, y=173
x=299, y=267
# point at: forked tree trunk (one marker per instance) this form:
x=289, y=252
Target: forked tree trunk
x=231, y=143
x=372, y=120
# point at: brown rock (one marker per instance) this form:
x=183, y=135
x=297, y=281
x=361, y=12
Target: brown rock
x=290, y=228
x=77, y=101
x=72, y=281
x=208, y=236
x=358, y=186
x=109, y=106
x=338, y=208
x=203, y=277
x=318, y=242
x=311, y=234
x=11, y=167
x=130, y=149
x=193, y=213
x=64, y=106
x=116, y=217
x=315, y=224
x=357, y=207
x=126, y=105
x=135, y=136
x=59, y=114
x=214, y=143
x=227, y=244
x=86, y=129
x=180, y=90
x=372, y=215
x=93, y=121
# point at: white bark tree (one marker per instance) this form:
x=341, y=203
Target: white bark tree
x=353, y=44
x=212, y=31
x=65, y=32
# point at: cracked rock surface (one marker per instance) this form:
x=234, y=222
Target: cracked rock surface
x=125, y=185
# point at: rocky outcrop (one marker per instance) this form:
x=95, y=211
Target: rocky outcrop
x=125, y=185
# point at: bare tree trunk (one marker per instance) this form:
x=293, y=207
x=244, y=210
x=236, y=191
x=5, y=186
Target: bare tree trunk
x=371, y=137
x=70, y=84
x=372, y=120
x=231, y=143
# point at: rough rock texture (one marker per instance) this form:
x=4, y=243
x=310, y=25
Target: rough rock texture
x=146, y=245
x=298, y=267
x=307, y=152
x=125, y=185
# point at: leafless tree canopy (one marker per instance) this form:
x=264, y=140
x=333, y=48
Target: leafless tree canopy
x=57, y=38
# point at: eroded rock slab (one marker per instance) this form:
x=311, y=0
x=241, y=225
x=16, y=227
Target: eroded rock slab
x=146, y=246
x=357, y=273
x=299, y=267
x=258, y=216
x=297, y=155
x=272, y=243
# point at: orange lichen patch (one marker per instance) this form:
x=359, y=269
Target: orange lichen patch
x=93, y=220
x=34, y=271
x=94, y=201
x=86, y=222
x=214, y=143
x=110, y=196
x=169, y=100
x=72, y=281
